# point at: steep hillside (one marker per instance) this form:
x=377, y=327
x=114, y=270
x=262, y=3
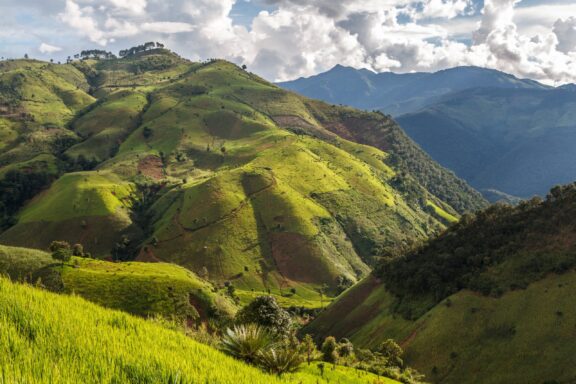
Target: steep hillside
x=47, y=338
x=515, y=141
x=210, y=167
x=399, y=93
x=489, y=301
x=142, y=289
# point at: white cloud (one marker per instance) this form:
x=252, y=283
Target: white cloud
x=565, y=31
x=167, y=27
x=303, y=37
x=47, y=48
x=82, y=22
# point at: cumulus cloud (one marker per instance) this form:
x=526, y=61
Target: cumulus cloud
x=293, y=38
x=565, y=31
x=47, y=48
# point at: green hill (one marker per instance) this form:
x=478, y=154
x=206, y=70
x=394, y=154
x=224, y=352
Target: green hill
x=47, y=338
x=488, y=301
x=210, y=167
x=143, y=289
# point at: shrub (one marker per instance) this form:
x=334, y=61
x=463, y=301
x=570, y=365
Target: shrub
x=61, y=251
x=247, y=342
x=265, y=311
x=280, y=360
x=329, y=352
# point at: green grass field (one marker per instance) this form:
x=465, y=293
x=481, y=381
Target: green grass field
x=48, y=338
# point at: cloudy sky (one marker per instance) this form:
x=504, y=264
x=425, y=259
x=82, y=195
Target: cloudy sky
x=286, y=39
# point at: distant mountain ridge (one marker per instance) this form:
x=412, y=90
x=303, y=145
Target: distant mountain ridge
x=508, y=137
x=398, y=93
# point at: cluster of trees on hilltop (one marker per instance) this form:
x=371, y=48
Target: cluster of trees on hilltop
x=472, y=253
x=94, y=54
x=140, y=48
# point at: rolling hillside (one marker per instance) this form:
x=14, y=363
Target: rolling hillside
x=489, y=301
x=154, y=158
x=49, y=338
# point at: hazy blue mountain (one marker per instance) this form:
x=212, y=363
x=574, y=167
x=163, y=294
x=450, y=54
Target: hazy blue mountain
x=518, y=141
x=397, y=94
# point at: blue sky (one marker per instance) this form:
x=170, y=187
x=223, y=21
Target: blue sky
x=285, y=39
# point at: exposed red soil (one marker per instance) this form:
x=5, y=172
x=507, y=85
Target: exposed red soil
x=151, y=166
x=288, y=253
x=146, y=255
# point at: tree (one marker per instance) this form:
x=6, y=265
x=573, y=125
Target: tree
x=147, y=132
x=328, y=349
x=61, y=250
x=247, y=342
x=26, y=56
x=345, y=348
x=78, y=250
x=392, y=352
x=265, y=311
x=308, y=347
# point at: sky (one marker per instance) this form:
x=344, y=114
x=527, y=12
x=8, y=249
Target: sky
x=286, y=39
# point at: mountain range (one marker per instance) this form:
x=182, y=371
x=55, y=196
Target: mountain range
x=503, y=135
x=155, y=158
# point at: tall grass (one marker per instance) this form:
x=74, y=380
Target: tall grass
x=47, y=338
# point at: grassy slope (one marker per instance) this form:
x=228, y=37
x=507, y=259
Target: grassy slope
x=517, y=338
x=85, y=207
x=258, y=189
x=42, y=99
x=144, y=289
x=48, y=338
x=490, y=300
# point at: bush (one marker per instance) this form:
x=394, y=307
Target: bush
x=265, y=311
x=329, y=350
x=61, y=251
x=280, y=360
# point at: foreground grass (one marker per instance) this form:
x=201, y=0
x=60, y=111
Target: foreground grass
x=47, y=338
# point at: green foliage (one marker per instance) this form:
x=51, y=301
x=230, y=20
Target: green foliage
x=78, y=250
x=345, y=348
x=329, y=350
x=247, y=342
x=266, y=312
x=280, y=360
x=61, y=251
x=16, y=187
x=392, y=352
x=308, y=348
